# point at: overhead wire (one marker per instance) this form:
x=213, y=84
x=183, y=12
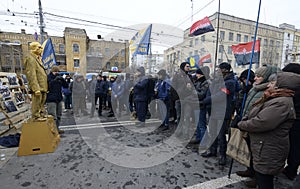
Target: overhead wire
x=189, y=17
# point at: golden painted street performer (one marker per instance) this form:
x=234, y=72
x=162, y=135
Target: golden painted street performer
x=37, y=81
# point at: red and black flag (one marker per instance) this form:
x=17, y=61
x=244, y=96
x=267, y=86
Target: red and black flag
x=242, y=52
x=201, y=27
x=204, y=59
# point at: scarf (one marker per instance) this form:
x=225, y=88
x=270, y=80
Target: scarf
x=272, y=93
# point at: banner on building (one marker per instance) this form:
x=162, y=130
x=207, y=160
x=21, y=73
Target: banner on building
x=242, y=52
x=204, y=59
x=201, y=27
x=140, y=42
x=48, y=56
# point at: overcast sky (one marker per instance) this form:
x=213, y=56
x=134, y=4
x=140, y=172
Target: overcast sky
x=127, y=13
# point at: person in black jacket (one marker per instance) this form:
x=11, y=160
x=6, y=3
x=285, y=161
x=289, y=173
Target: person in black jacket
x=140, y=96
x=225, y=90
x=293, y=160
x=54, y=96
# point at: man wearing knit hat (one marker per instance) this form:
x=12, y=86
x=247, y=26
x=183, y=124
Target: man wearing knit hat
x=37, y=81
x=180, y=82
x=54, y=96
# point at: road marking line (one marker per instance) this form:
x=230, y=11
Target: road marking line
x=103, y=125
x=218, y=183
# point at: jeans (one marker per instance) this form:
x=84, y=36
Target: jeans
x=178, y=110
x=68, y=101
x=200, y=118
x=220, y=140
x=55, y=109
x=164, y=109
x=141, y=110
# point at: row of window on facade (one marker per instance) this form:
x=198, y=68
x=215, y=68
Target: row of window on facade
x=108, y=64
x=238, y=39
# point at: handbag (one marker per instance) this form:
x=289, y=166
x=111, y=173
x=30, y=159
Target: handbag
x=237, y=147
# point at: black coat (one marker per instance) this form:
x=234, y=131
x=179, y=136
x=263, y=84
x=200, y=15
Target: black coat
x=55, y=84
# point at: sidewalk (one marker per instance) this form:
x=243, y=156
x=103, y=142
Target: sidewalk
x=7, y=153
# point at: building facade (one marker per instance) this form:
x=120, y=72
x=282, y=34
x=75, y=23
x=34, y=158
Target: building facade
x=233, y=31
x=75, y=52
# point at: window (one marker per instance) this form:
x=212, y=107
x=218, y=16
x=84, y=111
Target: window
x=178, y=55
x=76, y=63
x=191, y=43
x=222, y=35
x=238, y=38
x=229, y=50
x=75, y=48
x=108, y=65
x=203, y=38
x=230, y=36
x=271, y=43
x=116, y=52
x=195, y=52
x=123, y=65
x=277, y=57
x=265, y=42
x=29, y=45
x=98, y=50
x=246, y=38
x=107, y=51
x=277, y=44
x=122, y=52
x=202, y=50
x=196, y=41
x=221, y=48
x=264, y=54
x=61, y=49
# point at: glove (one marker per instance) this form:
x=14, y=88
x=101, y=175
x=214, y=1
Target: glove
x=58, y=78
x=37, y=93
x=201, y=104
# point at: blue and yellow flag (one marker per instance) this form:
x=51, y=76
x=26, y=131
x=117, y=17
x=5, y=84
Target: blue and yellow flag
x=48, y=57
x=139, y=44
x=193, y=60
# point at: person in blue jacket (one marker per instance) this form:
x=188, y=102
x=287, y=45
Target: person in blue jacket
x=162, y=88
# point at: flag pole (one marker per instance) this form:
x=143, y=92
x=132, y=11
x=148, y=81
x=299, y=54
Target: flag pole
x=248, y=76
x=217, y=41
x=251, y=59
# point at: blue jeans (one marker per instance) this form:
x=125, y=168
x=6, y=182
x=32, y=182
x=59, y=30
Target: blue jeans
x=200, y=117
x=164, y=109
x=55, y=109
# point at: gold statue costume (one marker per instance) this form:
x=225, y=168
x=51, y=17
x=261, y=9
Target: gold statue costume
x=37, y=81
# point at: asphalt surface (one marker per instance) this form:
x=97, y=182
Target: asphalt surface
x=105, y=153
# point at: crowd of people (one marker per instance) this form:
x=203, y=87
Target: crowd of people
x=205, y=102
